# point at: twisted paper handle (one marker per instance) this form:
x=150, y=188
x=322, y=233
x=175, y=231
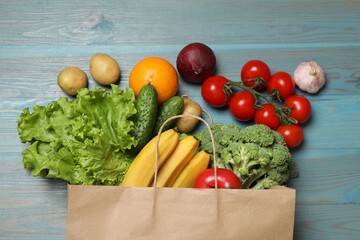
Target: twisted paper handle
x=212, y=143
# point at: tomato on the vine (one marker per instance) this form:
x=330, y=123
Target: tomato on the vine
x=216, y=91
x=282, y=82
x=242, y=106
x=301, y=108
x=293, y=134
x=225, y=179
x=267, y=115
x=252, y=70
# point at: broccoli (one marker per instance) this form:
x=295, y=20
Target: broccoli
x=256, y=154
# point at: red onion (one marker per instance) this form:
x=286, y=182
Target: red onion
x=196, y=62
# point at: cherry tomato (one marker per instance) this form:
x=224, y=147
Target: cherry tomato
x=214, y=93
x=242, y=106
x=267, y=116
x=255, y=69
x=293, y=134
x=301, y=107
x=283, y=82
x=225, y=179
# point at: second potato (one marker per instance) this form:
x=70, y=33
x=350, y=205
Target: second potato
x=104, y=69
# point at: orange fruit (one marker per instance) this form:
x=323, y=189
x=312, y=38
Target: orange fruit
x=158, y=72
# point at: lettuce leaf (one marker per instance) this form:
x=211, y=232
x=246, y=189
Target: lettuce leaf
x=82, y=141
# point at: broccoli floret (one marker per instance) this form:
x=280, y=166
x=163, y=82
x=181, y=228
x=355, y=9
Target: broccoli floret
x=256, y=154
x=259, y=134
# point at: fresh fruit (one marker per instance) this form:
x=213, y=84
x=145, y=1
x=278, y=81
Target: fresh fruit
x=196, y=62
x=170, y=108
x=158, y=72
x=300, y=107
x=72, y=79
x=142, y=169
x=225, y=179
x=293, y=134
x=104, y=69
x=178, y=159
x=267, y=115
x=197, y=164
x=215, y=91
x=283, y=83
x=255, y=72
x=242, y=106
x=144, y=120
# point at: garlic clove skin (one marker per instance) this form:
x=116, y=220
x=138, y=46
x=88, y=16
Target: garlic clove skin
x=309, y=77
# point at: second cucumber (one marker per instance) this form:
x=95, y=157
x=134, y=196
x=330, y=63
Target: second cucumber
x=147, y=106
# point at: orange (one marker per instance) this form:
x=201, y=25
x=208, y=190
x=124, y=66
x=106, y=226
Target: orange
x=158, y=72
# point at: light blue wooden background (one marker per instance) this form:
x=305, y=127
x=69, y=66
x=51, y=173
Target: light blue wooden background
x=39, y=38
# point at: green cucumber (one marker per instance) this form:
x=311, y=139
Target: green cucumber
x=144, y=120
x=170, y=108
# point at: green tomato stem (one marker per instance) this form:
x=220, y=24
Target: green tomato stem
x=283, y=112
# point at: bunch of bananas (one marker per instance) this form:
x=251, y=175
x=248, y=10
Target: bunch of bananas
x=178, y=162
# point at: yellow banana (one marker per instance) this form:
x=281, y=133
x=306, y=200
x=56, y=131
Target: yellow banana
x=197, y=164
x=178, y=159
x=141, y=170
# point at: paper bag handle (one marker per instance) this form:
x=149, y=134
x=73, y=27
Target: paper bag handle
x=212, y=144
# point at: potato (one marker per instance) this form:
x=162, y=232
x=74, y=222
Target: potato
x=187, y=124
x=104, y=69
x=71, y=79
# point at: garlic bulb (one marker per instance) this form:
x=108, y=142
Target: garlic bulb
x=309, y=77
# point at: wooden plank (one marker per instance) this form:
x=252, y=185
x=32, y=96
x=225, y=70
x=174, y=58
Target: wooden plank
x=340, y=133
x=163, y=22
x=330, y=222
x=40, y=67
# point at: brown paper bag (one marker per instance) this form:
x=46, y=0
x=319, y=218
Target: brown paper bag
x=122, y=213
x=109, y=213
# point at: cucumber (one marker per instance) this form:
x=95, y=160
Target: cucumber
x=144, y=120
x=170, y=108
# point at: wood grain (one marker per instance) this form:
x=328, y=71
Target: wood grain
x=39, y=38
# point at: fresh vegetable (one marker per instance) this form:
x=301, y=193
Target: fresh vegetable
x=71, y=80
x=144, y=120
x=83, y=141
x=215, y=91
x=293, y=134
x=142, y=169
x=104, y=69
x=256, y=154
x=281, y=110
x=188, y=175
x=242, y=106
x=267, y=115
x=283, y=83
x=187, y=124
x=309, y=76
x=196, y=62
x=225, y=179
x=179, y=158
x=300, y=107
x=255, y=72
x=170, y=108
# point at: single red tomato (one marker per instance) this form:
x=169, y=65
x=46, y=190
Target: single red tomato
x=255, y=69
x=293, y=134
x=283, y=82
x=301, y=108
x=242, y=106
x=216, y=91
x=266, y=115
x=225, y=179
